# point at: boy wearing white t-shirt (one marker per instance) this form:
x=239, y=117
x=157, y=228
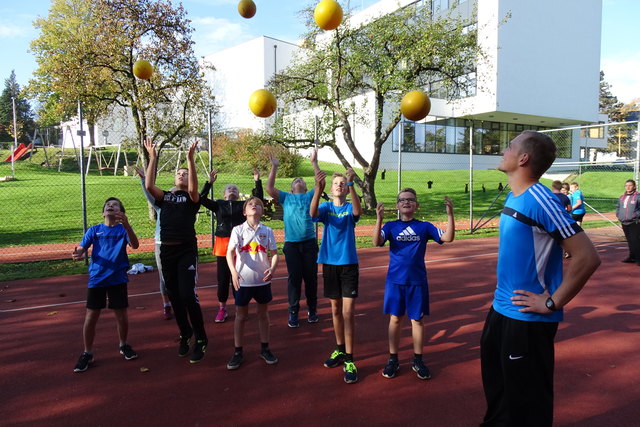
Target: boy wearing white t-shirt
x=248, y=252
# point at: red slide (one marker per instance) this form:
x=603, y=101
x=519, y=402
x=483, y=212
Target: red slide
x=20, y=151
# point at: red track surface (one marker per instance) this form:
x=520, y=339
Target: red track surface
x=597, y=363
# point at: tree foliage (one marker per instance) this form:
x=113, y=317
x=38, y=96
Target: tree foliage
x=24, y=116
x=608, y=102
x=86, y=51
x=381, y=61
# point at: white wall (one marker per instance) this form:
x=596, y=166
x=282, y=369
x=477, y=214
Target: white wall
x=240, y=71
x=548, y=61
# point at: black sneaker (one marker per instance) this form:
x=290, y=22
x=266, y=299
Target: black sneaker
x=350, y=373
x=391, y=369
x=128, y=352
x=421, y=370
x=235, y=361
x=629, y=260
x=293, y=320
x=268, y=357
x=336, y=359
x=183, y=348
x=83, y=362
x=198, y=351
x=313, y=317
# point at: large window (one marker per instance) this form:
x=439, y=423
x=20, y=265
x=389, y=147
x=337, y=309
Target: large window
x=452, y=136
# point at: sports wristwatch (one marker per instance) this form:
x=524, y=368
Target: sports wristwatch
x=550, y=304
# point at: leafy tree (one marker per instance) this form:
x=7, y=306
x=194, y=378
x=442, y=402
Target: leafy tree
x=24, y=116
x=608, y=102
x=340, y=72
x=86, y=51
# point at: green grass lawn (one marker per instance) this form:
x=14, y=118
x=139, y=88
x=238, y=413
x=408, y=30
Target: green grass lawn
x=44, y=206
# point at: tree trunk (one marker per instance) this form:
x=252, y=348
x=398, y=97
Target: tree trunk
x=368, y=191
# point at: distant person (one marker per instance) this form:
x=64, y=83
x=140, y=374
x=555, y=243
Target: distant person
x=300, y=242
x=628, y=212
x=517, y=344
x=406, y=289
x=166, y=304
x=250, y=246
x=228, y=212
x=577, y=203
x=566, y=189
x=340, y=263
x=556, y=189
x=107, y=277
x=179, y=249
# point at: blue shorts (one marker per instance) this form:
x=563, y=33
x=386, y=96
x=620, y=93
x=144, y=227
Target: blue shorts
x=413, y=299
x=244, y=295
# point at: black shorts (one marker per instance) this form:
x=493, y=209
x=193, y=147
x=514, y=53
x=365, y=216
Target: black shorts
x=117, y=294
x=261, y=294
x=577, y=217
x=340, y=281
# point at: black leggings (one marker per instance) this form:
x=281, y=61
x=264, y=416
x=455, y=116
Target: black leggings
x=179, y=269
x=224, y=279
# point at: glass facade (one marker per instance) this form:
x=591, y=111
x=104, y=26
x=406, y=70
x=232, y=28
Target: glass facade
x=451, y=136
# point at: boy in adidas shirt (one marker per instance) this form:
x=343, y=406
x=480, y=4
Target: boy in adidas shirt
x=250, y=245
x=406, y=288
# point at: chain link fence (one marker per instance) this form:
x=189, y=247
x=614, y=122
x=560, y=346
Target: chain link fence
x=41, y=216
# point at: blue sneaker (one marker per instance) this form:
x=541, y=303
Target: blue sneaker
x=313, y=317
x=350, y=373
x=336, y=359
x=390, y=370
x=421, y=369
x=293, y=320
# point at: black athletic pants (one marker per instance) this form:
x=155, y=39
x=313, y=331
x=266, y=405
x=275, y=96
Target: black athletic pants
x=302, y=264
x=224, y=279
x=632, y=233
x=517, y=361
x=179, y=269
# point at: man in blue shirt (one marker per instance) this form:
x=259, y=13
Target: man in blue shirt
x=517, y=345
x=340, y=262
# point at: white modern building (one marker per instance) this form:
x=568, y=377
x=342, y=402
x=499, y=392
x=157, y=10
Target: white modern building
x=542, y=72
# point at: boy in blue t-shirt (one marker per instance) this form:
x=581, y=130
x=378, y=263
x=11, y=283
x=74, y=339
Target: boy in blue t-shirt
x=340, y=262
x=107, y=277
x=406, y=288
x=577, y=203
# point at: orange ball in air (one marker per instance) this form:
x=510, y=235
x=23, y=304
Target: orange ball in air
x=415, y=105
x=247, y=8
x=142, y=69
x=328, y=14
x=262, y=103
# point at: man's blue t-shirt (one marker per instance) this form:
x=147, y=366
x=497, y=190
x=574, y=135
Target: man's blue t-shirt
x=298, y=226
x=339, y=236
x=532, y=225
x=575, y=196
x=407, y=247
x=109, y=260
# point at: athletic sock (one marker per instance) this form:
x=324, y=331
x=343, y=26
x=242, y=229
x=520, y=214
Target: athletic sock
x=342, y=348
x=417, y=356
x=393, y=356
x=167, y=304
x=264, y=345
x=238, y=350
x=348, y=357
